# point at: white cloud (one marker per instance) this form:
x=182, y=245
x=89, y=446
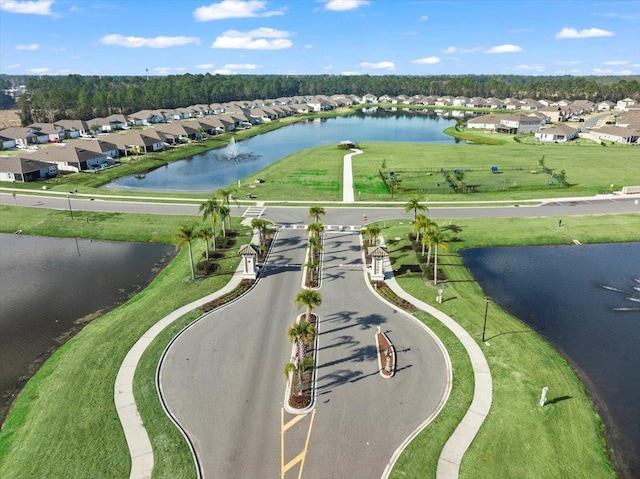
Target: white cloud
x=568, y=62
x=32, y=46
x=205, y=66
x=39, y=71
x=259, y=39
x=181, y=69
x=426, y=61
x=616, y=62
x=624, y=72
x=534, y=67
x=235, y=68
x=586, y=33
x=36, y=7
x=64, y=71
x=424, y=17
x=309, y=46
x=241, y=66
x=234, y=9
x=343, y=5
x=507, y=48
x=452, y=50
x=157, y=42
x=162, y=70
x=348, y=74
x=378, y=66
x=13, y=66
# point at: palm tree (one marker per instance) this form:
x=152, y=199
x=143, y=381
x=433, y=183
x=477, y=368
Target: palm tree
x=211, y=209
x=372, y=232
x=225, y=196
x=428, y=239
x=205, y=234
x=315, y=229
x=316, y=212
x=415, y=205
x=299, y=367
x=438, y=240
x=260, y=225
x=301, y=333
x=420, y=223
x=186, y=234
x=225, y=214
x=315, y=245
x=308, y=298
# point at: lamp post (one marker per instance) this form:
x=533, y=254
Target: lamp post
x=486, y=310
x=70, y=210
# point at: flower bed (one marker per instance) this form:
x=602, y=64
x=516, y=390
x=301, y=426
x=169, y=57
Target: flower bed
x=386, y=355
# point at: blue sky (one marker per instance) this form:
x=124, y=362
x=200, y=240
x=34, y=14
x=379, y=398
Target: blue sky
x=374, y=37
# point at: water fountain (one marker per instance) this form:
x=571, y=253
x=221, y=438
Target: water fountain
x=232, y=150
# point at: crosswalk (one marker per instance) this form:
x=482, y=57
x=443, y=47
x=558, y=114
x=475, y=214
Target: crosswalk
x=253, y=212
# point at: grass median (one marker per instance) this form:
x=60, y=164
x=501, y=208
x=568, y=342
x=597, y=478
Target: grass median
x=64, y=422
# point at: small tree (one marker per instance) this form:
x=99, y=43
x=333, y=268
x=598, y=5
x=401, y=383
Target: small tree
x=298, y=367
x=316, y=212
x=419, y=224
x=308, y=298
x=186, y=234
x=438, y=240
x=205, y=234
x=211, y=209
x=415, y=205
x=261, y=226
x=372, y=232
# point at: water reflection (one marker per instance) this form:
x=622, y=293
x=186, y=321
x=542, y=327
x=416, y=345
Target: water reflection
x=51, y=286
x=586, y=301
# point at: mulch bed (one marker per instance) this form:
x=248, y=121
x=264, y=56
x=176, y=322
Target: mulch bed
x=244, y=285
x=384, y=351
x=303, y=399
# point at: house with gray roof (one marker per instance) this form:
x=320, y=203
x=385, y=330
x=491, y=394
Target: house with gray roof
x=24, y=168
x=70, y=158
x=559, y=133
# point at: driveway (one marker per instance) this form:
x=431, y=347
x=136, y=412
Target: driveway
x=223, y=380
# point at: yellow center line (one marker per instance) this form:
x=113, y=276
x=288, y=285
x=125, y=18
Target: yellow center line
x=300, y=458
x=306, y=443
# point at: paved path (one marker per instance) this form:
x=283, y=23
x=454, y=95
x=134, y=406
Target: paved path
x=347, y=177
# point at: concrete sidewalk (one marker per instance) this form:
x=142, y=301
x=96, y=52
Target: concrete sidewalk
x=347, y=177
x=457, y=445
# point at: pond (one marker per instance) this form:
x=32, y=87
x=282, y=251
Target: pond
x=216, y=169
x=585, y=300
x=51, y=287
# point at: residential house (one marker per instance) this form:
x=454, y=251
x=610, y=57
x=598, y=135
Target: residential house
x=23, y=168
x=559, y=133
x=178, y=131
x=627, y=104
x=618, y=134
x=70, y=158
x=136, y=141
x=369, y=98
x=518, y=124
x=22, y=136
x=605, y=106
x=6, y=143
x=74, y=128
x=97, y=145
x=488, y=122
x=556, y=114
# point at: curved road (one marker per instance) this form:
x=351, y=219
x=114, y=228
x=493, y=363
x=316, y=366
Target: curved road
x=222, y=378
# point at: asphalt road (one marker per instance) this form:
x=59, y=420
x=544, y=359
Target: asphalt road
x=351, y=215
x=223, y=378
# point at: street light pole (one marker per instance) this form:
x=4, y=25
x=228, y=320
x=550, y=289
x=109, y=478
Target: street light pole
x=70, y=210
x=486, y=310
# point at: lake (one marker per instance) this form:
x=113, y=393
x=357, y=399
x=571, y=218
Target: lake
x=216, y=169
x=51, y=287
x=585, y=300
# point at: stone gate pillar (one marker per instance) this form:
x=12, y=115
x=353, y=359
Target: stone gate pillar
x=249, y=255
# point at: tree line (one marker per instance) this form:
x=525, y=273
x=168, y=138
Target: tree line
x=51, y=98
